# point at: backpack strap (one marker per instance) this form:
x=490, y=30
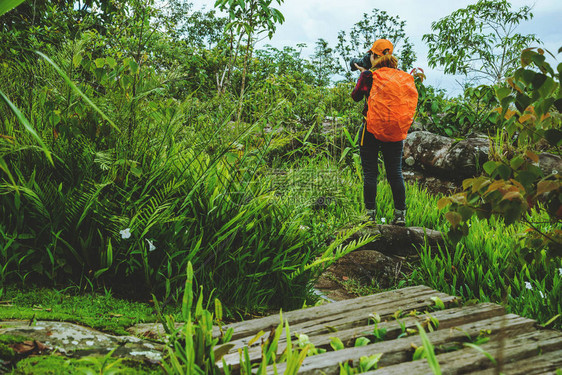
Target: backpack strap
x=363, y=133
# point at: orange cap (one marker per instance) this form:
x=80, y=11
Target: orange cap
x=380, y=46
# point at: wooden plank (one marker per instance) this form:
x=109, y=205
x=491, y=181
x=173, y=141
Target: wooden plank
x=521, y=347
x=354, y=318
x=447, y=319
x=250, y=327
x=400, y=350
x=546, y=363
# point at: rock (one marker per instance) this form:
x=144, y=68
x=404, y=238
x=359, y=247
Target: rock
x=365, y=267
x=72, y=339
x=368, y=265
x=433, y=184
x=550, y=163
x=443, y=156
x=393, y=240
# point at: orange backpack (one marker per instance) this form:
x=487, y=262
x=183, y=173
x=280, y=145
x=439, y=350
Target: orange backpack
x=392, y=104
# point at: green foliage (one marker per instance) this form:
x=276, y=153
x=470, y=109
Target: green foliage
x=365, y=364
x=513, y=183
x=456, y=117
x=193, y=349
x=479, y=40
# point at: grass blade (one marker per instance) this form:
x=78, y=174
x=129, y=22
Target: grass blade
x=75, y=88
x=7, y=5
x=27, y=126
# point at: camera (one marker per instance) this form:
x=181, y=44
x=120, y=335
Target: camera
x=365, y=62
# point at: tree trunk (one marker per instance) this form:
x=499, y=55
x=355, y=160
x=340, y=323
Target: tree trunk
x=247, y=58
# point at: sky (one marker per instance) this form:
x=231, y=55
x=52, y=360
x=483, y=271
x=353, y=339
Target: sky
x=308, y=20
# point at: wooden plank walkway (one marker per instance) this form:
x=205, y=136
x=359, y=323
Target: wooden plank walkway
x=517, y=344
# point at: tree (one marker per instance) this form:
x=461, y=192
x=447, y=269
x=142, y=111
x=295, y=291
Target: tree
x=250, y=18
x=199, y=29
x=379, y=24
x=323, y=62
x=479, y=40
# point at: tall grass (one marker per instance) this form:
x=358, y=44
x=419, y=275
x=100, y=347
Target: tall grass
x=490, y=264
x=176, y=183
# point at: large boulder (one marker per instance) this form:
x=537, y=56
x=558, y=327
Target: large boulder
x=451, y=160
x=443, y=156
x=79, y=341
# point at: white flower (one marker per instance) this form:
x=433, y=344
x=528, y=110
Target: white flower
x=383, y=220
x=554, y=171
x=542, y=295
x=528, y=285
x=560, y=271
x=151, y=246
x=125, y=233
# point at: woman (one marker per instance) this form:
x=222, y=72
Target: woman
x=381, y=56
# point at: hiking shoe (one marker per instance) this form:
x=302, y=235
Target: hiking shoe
x=399, y=218
x=372, y=215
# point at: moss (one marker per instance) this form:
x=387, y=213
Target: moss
x=6, y=352
x=59, y=365
x=99, y=311
x=11, y=339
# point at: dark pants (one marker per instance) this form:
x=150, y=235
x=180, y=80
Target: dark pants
x=392, y=156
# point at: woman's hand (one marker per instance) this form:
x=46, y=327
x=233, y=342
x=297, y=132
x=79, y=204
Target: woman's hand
x=361, y=69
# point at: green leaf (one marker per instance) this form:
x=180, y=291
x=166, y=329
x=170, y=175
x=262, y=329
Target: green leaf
x=502, y=92
x=516, y=162
x=4, y=167
x=100, y=62
x=27, y=125
x=490, y=167
x=553, y=136
x=419, y=353
x=438, y=303
x=133, y=66
x=362, y=341
x=466, y=212
x=527, y=179
x=370, y=362
x=558, y=104
x=522, y=101
x=75, y=88
x=7, y=5
x=538, y=80
x=76, y=60
x=218, y=310
x=336, y=343
x=429, y=351
x=547, y=87
x=222, y=350
x=513, y=212
x=504, y=171
x=111, y=62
